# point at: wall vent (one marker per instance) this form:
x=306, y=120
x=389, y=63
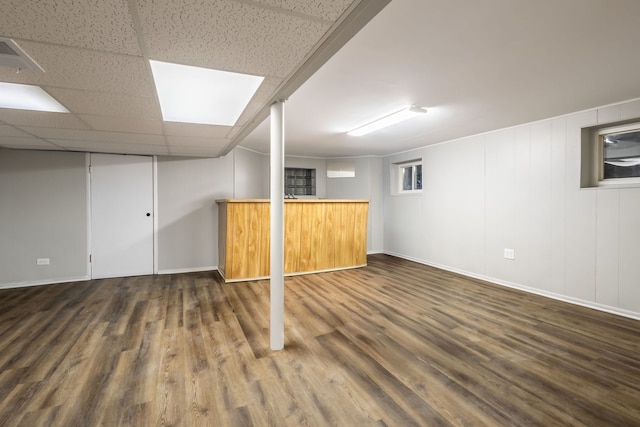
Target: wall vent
x=12, y=56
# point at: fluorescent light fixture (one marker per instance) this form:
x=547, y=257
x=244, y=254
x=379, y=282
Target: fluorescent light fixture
x=201, y=95
x=28, y=97
x=391, y=119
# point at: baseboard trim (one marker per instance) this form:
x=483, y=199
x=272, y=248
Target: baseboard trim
x=187, y=270
x=576, y=301
x=44, y=282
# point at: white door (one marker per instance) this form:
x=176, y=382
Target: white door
x=121, y=215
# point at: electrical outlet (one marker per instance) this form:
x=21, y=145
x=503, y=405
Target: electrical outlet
x=509, y=254
x=42, y=261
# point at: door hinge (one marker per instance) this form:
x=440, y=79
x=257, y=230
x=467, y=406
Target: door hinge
x=89, y=168
x=90, y=258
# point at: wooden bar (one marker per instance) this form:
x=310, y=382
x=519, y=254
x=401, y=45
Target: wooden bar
x=320, y=235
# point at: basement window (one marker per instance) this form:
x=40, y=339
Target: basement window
x=611, y=155
x=620, y=153
x=407, y=177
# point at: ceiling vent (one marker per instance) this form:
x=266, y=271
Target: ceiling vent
x=12, y=56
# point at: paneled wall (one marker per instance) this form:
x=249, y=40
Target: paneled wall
x=519, y=188
x=187, y=211
x=43, y=214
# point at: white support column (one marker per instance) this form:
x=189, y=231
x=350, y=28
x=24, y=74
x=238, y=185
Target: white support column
x=277, y=226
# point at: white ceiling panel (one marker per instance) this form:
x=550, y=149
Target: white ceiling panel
x=108, y=104
x=228, y=35
x=329, y=10
x=95, y=24
x=95, y=136
x=41, y=119
x=112, y=147
x=76, y=68
x=10, y=131
x=26, y=143
x=123, y=124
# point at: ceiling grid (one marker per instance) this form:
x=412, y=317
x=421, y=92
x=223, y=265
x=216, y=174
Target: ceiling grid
x=96, y=60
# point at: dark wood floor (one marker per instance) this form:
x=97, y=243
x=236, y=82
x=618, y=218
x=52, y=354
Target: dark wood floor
x=395, y=344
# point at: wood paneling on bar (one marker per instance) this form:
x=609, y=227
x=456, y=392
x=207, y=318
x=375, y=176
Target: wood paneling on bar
x=320, y=235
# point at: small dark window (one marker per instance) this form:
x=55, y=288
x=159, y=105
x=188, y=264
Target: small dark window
x=409, y=176
x=299, y=182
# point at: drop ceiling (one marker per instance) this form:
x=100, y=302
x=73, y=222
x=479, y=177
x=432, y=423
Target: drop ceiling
x=96, y=60
x=475, y=65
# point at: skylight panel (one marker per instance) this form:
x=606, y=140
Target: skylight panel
x=27, y=97
x=199, y=95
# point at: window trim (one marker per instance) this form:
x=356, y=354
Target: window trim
x=592, y=156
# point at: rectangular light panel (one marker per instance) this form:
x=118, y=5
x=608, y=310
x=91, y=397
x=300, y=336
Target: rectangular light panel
x=28, y=97
x=200, y=95
x=386, y=121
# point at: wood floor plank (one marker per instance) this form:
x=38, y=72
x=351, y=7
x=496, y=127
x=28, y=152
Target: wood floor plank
x=395, y=343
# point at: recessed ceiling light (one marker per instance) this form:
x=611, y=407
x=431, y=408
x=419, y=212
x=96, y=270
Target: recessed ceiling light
x=201, y=95
x=28, y=97
x=391, y=119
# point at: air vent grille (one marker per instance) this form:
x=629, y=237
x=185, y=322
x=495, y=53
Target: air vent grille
x=12, y=56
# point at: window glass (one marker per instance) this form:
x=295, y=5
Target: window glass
x=299, y=182
x=621, y=155
x=418, y=177
x=407, y=178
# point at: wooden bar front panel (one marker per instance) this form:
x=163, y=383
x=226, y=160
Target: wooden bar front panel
x=320, y=235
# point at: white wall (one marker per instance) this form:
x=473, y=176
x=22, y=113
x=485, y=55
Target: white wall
x=43, y=214
x=519, y=188
x=187, y=211
x=44, y=209
x=248, y=175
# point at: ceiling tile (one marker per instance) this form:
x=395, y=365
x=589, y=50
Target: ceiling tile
x=31, y=143
x=329, y=10
x=227, y=35
x=94, y=136
x=83, y=69
x=107, y=104
x=123, y=124
x=41, y=119
x=10, y=131
x=112, y=147
x=99, y=25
